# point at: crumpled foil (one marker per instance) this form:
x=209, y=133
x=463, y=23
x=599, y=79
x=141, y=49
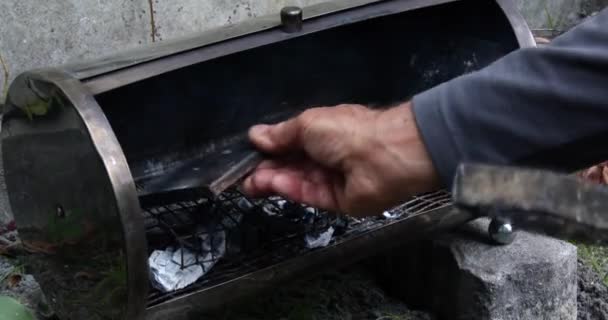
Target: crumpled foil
x=166, y=269
x=172, y=270
x=319, y=240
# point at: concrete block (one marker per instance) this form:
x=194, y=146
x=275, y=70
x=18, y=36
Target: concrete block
x=463, y=275
x=533, y=278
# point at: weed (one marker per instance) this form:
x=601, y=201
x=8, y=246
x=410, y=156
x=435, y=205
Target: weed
x=596, y=257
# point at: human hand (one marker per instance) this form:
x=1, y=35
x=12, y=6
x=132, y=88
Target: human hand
x=348, y=159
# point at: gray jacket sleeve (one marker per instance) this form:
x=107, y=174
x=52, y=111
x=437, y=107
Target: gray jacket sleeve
x=537, y=107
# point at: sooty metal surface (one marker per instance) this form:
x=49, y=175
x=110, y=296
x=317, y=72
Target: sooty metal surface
x=270, y=231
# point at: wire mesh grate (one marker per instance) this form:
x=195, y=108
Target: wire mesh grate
x=254, y=234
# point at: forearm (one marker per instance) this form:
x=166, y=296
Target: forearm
x=539, y=107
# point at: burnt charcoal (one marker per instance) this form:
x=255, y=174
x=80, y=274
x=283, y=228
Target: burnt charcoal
x=296, y=211
x=340, y=225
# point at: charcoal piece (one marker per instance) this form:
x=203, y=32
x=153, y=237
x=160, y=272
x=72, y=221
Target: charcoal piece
x=294, y=211
x=244, y=204
x=340, y=225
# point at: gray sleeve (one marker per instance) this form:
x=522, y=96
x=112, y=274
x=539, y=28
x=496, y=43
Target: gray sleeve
x=538, y=107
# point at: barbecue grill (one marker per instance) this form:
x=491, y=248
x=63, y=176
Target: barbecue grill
x=114, y=162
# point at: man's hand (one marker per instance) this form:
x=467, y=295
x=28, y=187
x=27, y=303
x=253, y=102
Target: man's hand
x=347, y=159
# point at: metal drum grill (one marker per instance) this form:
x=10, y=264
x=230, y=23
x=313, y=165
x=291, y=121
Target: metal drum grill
x=114, y=167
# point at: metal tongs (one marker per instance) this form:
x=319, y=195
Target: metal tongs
x=539, y=201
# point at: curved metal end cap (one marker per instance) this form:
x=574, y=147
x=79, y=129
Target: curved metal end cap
x=65, y=205
x=292, y=19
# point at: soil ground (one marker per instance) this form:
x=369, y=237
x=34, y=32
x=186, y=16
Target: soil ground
x=592, y=294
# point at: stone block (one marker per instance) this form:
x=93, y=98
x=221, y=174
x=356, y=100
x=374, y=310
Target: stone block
x=463, y=275
x=532, y=278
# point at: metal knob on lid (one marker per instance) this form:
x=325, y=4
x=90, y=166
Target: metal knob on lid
x=292, y=19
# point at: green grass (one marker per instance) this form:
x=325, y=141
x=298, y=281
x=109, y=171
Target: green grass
x=596, y=257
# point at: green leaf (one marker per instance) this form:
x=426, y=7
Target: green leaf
x=39, y=108
x=11, y=309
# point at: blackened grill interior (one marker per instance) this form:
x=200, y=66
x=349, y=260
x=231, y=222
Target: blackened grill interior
x=192, y=122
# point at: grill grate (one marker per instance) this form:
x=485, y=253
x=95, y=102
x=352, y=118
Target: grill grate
x=258, y=233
